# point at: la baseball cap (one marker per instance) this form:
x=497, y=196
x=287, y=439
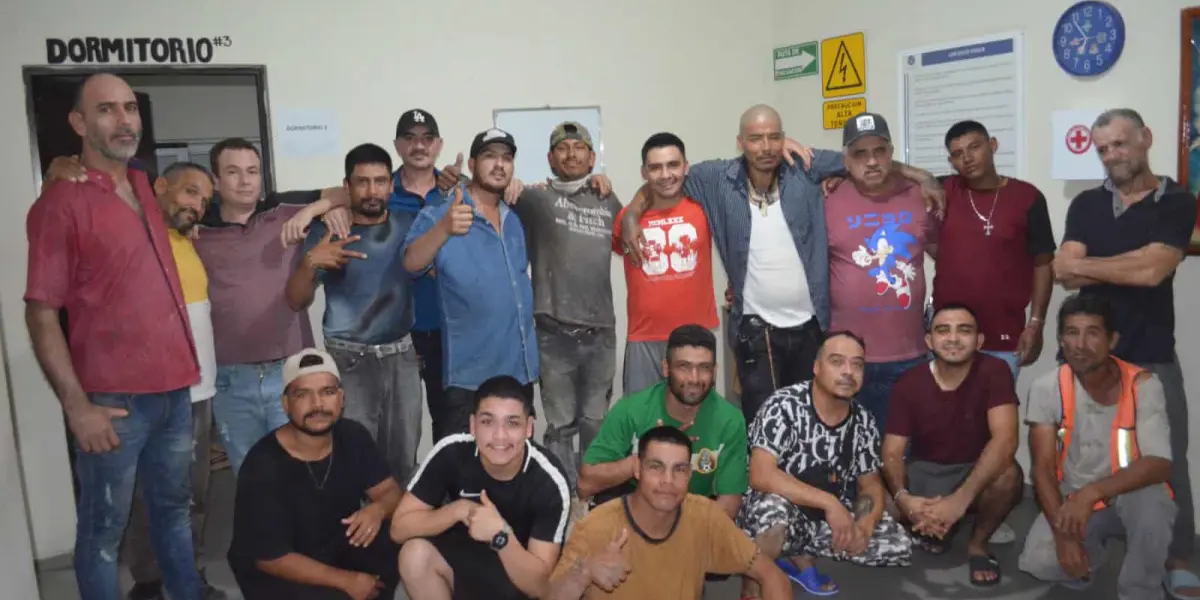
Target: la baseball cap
x=864, y=124
x=307, y=362
x=493, y=136
x=570, y=130
x=413, y=118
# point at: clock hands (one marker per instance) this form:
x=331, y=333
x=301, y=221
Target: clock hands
x=1082, y=44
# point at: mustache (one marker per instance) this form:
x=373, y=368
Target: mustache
x=317, y=413
x=124, y=131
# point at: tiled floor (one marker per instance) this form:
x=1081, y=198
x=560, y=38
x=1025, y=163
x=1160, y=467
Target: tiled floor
x=929, y=579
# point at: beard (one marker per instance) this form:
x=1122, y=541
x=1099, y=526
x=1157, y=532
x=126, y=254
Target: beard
x=300, y=424
x=371, y=207
x=690, y=395
x=112, y=148
x=184, y=220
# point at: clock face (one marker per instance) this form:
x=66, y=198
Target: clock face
x=1088, y=38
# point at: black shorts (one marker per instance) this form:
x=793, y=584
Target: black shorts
x=478, y=572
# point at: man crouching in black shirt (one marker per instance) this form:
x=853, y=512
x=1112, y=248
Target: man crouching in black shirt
x=312, y=497
x=486, y=512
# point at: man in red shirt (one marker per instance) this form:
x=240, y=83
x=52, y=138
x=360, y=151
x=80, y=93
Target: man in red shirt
x=996, y=248
x=673, y=284
x=956, y=418
x=100, y=250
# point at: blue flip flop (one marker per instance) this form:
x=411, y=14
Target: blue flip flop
x=1177, y=579
x=810, y=579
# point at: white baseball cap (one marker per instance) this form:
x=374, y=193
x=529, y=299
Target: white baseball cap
x=292, y=370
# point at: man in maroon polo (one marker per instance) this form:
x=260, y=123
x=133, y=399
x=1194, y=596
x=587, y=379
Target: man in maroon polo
x=100, y=250
x=996, y=248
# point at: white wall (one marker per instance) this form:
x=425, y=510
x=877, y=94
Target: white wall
x=1145, y=78
x=650, y=66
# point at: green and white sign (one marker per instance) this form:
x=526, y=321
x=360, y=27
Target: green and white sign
x=795, y=61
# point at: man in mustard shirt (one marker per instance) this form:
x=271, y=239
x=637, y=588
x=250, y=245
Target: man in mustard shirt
x=183, y=191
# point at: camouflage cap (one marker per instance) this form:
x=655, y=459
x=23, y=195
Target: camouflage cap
x=570, y=130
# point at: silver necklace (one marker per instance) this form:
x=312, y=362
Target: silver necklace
x=987, y=221
x=321, y=485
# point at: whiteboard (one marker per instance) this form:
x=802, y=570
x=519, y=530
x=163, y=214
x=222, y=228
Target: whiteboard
x=531, y=128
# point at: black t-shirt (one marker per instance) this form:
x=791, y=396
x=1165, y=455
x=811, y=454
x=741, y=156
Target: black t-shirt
x=279, y=509
x=535, y=503
x=1145, y=315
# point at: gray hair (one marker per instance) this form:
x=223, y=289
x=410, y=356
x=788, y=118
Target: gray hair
x=1106, y=118
x=175, y=169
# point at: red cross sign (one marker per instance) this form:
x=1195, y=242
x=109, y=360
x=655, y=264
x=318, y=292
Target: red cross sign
x=1079, y=139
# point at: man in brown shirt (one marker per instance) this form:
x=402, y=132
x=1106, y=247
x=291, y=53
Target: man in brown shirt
x=660, y=541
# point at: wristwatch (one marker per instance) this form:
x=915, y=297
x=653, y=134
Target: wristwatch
x=500, y=540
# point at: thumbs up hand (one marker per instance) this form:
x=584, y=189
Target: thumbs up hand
x=611, y=568
x=458, y=218
x=450, y=174
x=485, y=521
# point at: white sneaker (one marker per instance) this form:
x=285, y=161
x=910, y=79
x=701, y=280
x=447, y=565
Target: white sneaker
x=1003, y=535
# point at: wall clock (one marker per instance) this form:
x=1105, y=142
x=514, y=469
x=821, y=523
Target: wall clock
x=1088, y=38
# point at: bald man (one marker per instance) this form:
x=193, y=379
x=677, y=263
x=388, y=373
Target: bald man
x=101, y=250
x=767, y=217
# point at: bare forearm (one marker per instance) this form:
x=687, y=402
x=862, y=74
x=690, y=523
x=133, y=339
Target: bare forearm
x=334, y=197
x=997, y=456
x=914, y=174
x=301, y=569
x=527, y=572
x=422, y=523
x=730, y=504
x=870, y=501
x=1145, y=471
x=423, y=250
x=1131, y=268
x=571, y=585
x=1045, y=488
x=637, y=205
x=1076, y=282
x=302, y=286
x=895, y=472
x=594, y=479
x=1043, y=286
x=54, y=355
x=388, y=502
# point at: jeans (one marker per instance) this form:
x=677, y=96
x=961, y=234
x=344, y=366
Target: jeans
x=1183, y=540
x=578, y=367
x=454, y=414
x=383, y=392
x=878, y=379
x=139, y=554
x=155, y=449
x=428, y=345
x=769, y=358
x=248, y=406
x=1010, y=358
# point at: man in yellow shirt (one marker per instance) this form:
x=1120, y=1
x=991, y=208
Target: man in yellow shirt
x=184, y=191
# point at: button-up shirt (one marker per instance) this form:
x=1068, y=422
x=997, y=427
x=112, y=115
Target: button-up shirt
x=486, y=298
x=114, y=272
x=722, y=188
x=426, y=303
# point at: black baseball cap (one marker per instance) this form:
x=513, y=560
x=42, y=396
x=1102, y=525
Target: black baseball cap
x=864, y=124
x=493, y=136
x=413, y=118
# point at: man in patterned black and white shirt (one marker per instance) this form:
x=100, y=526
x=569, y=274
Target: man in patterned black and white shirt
x=813, y=451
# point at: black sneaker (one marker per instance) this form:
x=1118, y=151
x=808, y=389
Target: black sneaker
x=149, y=590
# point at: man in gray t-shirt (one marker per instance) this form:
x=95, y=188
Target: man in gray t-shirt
x=1091, y=499
x=568, y=231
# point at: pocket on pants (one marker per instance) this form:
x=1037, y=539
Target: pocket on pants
x=347, y=361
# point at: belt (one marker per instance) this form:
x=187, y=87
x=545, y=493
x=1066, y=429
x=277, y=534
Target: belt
x=404, y=344
x=761, y=323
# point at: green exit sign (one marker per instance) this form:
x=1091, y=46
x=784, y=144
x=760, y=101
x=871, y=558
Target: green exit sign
x=799, y=60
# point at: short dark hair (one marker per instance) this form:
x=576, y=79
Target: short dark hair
x=665, y=434
x=1087, y=304
x=175, y=169
x=234, y=143
x=962, y=128
x=954, y=306
x=691, y=335
x=505, y=387
x=367, y=154
x=662, y=140
x=842, y=333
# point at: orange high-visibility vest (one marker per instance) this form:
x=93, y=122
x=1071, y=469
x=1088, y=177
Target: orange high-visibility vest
x=1122, y=446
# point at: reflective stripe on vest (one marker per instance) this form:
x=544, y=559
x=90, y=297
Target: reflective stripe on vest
x=1123, y=446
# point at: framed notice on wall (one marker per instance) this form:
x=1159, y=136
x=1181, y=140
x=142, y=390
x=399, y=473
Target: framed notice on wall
x=531, y=128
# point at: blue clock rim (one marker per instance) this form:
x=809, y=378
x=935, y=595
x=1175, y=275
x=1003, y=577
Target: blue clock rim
x=1120, y=44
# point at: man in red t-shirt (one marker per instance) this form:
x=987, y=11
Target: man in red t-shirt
x=123, y=367
x=673, y=285
x=957, y=415
x=996, y=248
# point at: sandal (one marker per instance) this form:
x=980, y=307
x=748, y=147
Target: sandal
x=979, y=565
x=810, y=579
x=1180, y=578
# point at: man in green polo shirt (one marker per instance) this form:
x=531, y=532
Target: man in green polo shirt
x=685, y=400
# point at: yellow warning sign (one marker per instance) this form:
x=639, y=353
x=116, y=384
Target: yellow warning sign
x=844, y=65
x=837, y=112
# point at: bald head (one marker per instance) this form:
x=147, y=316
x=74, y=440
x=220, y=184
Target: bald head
x=759, y=114
x=106, y=116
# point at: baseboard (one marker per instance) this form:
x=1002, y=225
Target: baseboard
x=59, y=562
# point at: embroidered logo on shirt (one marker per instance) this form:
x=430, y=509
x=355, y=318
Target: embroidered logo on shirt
x=465, y=494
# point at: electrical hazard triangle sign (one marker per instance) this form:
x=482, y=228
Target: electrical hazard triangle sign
x=843, y=66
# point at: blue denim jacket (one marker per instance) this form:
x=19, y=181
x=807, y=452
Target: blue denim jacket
x=721, y=187
x=426, y=312
x=486, y=299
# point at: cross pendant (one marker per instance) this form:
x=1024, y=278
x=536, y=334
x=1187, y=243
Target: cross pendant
x=987, y=228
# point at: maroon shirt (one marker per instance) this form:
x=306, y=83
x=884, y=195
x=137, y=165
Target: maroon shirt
x=949, y=427
x=248, y=271
x=993, y=274
x=89, y=252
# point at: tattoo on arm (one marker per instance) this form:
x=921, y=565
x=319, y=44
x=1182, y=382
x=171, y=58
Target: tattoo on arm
x=864, y=506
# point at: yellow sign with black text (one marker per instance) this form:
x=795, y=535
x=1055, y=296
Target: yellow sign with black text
x=844, y=66
x=837, y=112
